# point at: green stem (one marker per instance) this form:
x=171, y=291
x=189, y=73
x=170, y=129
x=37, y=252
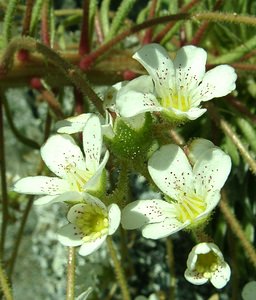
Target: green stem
x=5, y=200
x=26, y=141
x=71, y=274
x=84, y=45
x=4, y=284
x=71, y=71
x=27, y=17
x=237, y=52
x=227, y=129
x=8, y=20
x=19, y=236
x=118, y=270
x=170, y=261
x=237, y=229
x=118, y=20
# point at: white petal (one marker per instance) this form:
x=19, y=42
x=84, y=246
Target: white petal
x=59, y=152
x=89, y=247
x=92, y=142
x=162, y=229
x=170, y=170
x=70, y=235
x=212, y=169
x=221, y=276
x=141, y=212
x=192, y=114
x=41, y=185
x=66, y=196
x=189, y=65
x=133, y=103
x=45, y=200
x=195, y=277
x=114, y=216
x=202, y=248
x=212, y=199
x=217, y=82
x=93, y=183
x=72, y=124
x=155, y=59
x=198, y=147
x=76, y=210
x=137, y=97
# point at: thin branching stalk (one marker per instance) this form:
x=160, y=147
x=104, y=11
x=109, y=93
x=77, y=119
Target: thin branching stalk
x=171, y=265
x=5, y=201
x=45, y=23
x=19, y=236
x=84, y=45
x=23, y=139
x=98, y=28
x=8, y=20
x=104, y=16
x=122, y=12
x=164, y=32
x=228, y=130
x=4, y=284
x=53, y=103
x=71, y=274
x=27, y=17
x=70, y=71
x=35, y=19
x=149, y=32
x=118, y=270
x=199, y=34
x=237, y=229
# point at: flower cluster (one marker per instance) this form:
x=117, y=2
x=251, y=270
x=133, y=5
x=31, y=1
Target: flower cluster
x=190, y=178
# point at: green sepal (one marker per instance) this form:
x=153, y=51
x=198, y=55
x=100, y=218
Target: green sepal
x=131, y=143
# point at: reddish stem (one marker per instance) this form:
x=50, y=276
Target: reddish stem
x=45, y=32
x=87, y=61
x=149, y=32
x=169, y=26
x=202, y=29
x=84, y=45
x=23, y=55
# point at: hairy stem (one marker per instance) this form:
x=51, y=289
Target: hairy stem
x=118, y=270
x=5, y=201
x=71, y=274
x=237, y=229
x=5, y=284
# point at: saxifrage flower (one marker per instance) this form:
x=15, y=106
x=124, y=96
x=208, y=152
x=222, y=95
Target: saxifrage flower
x=90, y=224
x=75, y=172
x=174, y=88
x=191, y=192
x=206, y=263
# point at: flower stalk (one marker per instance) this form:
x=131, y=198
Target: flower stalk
x=71, y=274
x=118, y=270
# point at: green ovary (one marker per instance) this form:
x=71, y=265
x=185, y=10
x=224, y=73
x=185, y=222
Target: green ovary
x=207, y=263
x=93, y=222
x=189, y=207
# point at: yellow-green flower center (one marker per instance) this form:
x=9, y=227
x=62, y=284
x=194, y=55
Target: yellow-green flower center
x=93, y=222
x=177, y=101
x=207, y=263
x=77, y=178
x=189, y=206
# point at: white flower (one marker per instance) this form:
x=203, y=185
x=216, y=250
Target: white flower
x=191, y=192
x=178, y=86
x=205, y=262
x=75, y=172
x=90, y=224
